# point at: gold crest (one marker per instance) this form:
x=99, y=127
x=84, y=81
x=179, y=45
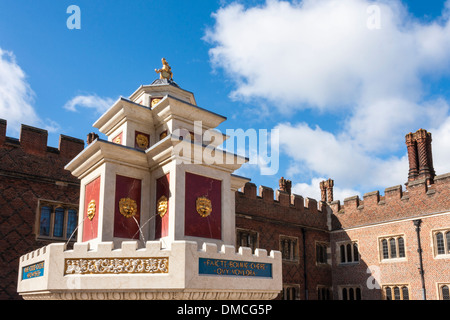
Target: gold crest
x=204, y=207
x=127, y=207
x=142, y=141
x=162, y=206
x=91, y=210
x=154, y=102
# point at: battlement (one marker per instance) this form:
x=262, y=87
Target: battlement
x=396, y=203
x=131, y=248
x=183, y=271
x=280, y=206
x=282, y=198
x=34, y=141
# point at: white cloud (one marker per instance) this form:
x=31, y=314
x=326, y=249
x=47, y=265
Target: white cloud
x=340, y=158
x=100, y=105
x=321, y=55
x=16, y=95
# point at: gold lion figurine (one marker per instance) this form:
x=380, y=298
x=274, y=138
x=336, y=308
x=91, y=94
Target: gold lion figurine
x=166, y=71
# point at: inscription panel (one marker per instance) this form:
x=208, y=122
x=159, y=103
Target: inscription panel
x=33, y=271
x=234, y=268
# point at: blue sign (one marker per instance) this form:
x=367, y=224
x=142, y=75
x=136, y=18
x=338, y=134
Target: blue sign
x=234, y=268
x=33, y=271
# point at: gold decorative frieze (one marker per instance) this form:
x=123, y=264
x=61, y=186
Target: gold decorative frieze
x=204, y=207
x=162, y=206
x=128, y=207
x=116, y=265
x=91, y=210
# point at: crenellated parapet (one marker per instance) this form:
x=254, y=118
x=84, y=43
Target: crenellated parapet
x=34, y=141
x=420, y=197
x=280, y=205
x=183, y=272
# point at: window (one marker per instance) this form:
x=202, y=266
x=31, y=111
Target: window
x=442, y=242
x=57, y=221
x=350, y=293
x=444, y=293
x=289, y=248
x=290, y=292
x=246, y=238
x=396, y=292
x=392, y=247
x=322, y=253
x=323, y=293
x=349, y=252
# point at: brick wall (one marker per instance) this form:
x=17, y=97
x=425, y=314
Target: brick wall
x=287, y=216
x=29, y=171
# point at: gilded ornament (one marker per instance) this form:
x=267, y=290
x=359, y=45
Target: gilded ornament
x=162, y=206
x=127, y=207
x=118, y=139
x=166, y=71
x=204, y=207
x=155, y=101
x=116, y=265
x=91, y=210
x=142, y=141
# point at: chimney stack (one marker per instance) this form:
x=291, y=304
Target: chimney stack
x=420, y=156
x=285, y=185
x=326, y=190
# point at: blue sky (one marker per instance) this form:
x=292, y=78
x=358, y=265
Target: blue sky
x=341, y=89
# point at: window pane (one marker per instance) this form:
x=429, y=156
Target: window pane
x=397, y=293
x=59, y=222
x=445, y=293
x=440, y=243
x=349, y=253
x=384, y=244
x=401, y=247
x=325, y=254
x=350, y=294
x=342, y=248
x=388, y=294
x=44, y=221
x=72, y=218
x=405, y=293
x=447, y=235
x=358, y=293
x=355, y=252
x=393, y=248
x=344, y=294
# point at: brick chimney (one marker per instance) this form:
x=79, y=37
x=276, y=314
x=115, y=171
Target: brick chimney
x=285, y=185
x=420, y=156
x=326, y=190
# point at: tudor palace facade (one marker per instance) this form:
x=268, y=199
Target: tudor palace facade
x=394, y=246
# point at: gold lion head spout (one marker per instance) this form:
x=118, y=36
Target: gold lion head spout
x=127, y=207
x=91, y=210
x=204, y=207
x=162, y=206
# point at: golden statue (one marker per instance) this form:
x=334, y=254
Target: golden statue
x=166, y=71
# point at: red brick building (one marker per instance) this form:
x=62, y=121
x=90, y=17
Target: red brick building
x=38, y=198
x=359, y=249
